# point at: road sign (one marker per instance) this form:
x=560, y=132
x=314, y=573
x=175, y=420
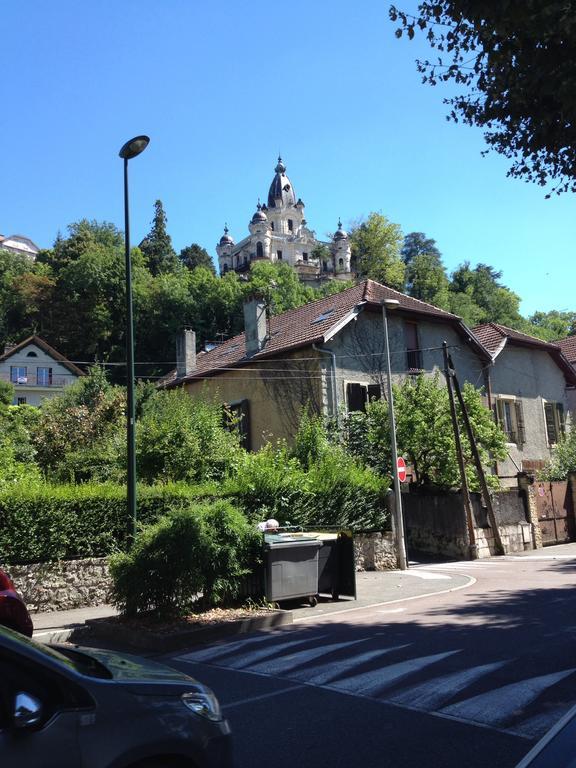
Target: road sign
x=401, y=469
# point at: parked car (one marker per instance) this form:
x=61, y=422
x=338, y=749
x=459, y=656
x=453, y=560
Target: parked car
x=13, y=611
x=557, y=748
x=71, y=707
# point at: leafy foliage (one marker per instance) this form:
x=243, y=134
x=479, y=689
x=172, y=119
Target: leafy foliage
x=202, y=550
x=424, y=433
x=157, y=245
x=563, y=459
x=376, y=246
x=515, y=60
x=195, y=256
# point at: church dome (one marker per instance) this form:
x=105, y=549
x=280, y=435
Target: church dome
x=340, y=233
x=226, y=239
x=281, y=188
x=259, y=215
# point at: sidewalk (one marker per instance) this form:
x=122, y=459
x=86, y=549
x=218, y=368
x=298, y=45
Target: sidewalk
x=374, y=588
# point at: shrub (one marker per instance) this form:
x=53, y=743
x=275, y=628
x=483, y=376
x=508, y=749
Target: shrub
x=40, y=523
x=181, y=439
x=563, y=458
x=192, y=555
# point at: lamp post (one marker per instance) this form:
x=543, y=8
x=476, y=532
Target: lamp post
x=131, y=149
x=391, y=304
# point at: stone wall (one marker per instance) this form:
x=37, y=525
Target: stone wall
x=62, y=585
x=374, y=551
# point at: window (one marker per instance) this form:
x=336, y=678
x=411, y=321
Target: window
x=31, y=354
x=237, y=417
x=290, y=225
x=279, y=255
x=341, y=263
x=44, y=377
x=324, y=266
x=259, y=251
x=305, y=256
x=18, y=374
x=357, y=395
x=510, y=417
x=21, y=401
x=554, y=418
x=272, y=226
x=413, y=353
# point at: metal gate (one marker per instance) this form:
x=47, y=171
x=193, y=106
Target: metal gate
x=555, y=512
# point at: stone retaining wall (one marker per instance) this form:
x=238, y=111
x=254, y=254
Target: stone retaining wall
x=374, y=551
x=62, y=585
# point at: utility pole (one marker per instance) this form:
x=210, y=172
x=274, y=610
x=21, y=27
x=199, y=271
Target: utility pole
x=478, y=462
x=471, y=535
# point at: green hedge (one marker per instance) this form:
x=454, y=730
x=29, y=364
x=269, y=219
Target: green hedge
x=52, y=522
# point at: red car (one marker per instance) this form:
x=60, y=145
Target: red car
x=13, y=611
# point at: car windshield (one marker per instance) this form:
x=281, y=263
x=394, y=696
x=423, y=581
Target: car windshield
x=69, y=657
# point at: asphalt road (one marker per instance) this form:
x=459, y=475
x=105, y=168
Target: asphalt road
x=464, y=678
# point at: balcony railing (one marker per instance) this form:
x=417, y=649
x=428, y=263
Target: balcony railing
x=33, y=380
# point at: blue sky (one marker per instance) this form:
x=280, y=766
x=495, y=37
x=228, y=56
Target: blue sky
x=221, y=88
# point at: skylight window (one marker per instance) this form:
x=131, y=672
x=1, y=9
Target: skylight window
x=322, y=317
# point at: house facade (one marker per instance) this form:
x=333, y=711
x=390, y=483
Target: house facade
x=568, y=347
x=20, y=245
x=529, y=381
x=36, y=370
x=328, y=355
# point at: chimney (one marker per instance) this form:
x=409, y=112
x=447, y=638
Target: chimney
x=185, y=352
x=255, y=325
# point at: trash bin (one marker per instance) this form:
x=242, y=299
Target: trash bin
x=336, y=567
x=291, y=567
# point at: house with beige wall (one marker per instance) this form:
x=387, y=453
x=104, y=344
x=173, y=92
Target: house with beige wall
x=326, y=356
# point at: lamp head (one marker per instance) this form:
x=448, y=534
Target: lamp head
x=390, y=303
x=134, y=147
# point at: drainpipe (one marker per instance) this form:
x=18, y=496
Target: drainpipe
x=334, y=392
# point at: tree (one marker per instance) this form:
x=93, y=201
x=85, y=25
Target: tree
x=478, y=296
x=157, y=245
x=424, y=433
x=552, y=325
x=516, y=61
x=426, y=277
x=376, y=246
x=195, y=256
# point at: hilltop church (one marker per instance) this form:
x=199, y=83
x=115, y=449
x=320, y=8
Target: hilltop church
x=279, y=233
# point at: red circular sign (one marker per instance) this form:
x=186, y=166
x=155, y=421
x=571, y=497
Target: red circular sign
x=401, y=469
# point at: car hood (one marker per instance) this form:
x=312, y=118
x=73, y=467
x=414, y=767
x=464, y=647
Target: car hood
x=133, y=669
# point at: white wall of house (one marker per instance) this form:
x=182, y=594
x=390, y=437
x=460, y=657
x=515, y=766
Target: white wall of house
x=531, y=378
x=36, y=375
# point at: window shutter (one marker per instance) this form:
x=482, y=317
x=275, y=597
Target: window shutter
x=356, y=397
x=520, y=429
x=498, y=412
x=550, y=423
x=374, y=392
x=561, y=420
x=244, y=426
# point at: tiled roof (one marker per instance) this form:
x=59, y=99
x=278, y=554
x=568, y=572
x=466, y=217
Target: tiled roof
x=568, y=347
x=492, y=336
x=307, y=325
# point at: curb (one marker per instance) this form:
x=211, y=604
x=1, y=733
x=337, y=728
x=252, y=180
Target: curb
x=110, y=631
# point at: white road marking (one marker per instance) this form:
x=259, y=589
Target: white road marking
x=435, y=692
x=246, y=659
x=215, y=651
x=292, y=660
x=262, y=697
x=376, y=680
x=392, y=610
x=501, y=704
x=324, y=673
x=428, y=575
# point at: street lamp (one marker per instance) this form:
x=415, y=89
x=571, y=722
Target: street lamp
x=131, y=149
x=391, y=304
